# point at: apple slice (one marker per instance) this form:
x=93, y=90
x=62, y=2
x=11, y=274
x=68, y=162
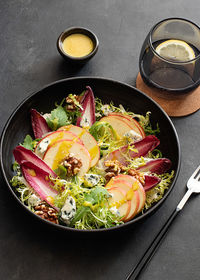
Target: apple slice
x=131, y=195
x=119, y=125
x=88, y=140
x=54, y=137
x=56, y=153
x=118, y=199
x=136, y=185
x=130, y=121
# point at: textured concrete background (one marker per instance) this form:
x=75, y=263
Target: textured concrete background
x=29, y=60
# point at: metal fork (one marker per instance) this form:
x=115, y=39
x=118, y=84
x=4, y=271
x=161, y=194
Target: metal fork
x=193, y=185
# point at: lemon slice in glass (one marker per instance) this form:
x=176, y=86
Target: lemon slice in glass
x=175, y=50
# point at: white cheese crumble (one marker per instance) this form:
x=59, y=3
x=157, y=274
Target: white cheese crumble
x=91, y=180
x=133, y=135
x=34, y=200
x=68, y=210
x=84, y=122
x=115, y=211
x=43, y=145
x=106, y=109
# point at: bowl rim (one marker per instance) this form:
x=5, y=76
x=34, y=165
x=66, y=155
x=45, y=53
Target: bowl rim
x=75, y=30
x=64, y=228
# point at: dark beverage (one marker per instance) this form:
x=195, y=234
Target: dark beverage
x=170, y=73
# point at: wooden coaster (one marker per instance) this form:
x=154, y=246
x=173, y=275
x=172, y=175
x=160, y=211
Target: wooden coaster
x=175, y=105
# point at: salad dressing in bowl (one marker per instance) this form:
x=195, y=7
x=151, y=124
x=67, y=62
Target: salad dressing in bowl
x=77, y=45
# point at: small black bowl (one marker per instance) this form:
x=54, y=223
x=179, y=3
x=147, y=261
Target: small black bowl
x=77, y=30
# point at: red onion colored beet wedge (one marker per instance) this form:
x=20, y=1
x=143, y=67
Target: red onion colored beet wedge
x=39, y=180
x=150, y=182
x=39, y=124
x=88, y=113
x=21, y=154
x=141, y=148
x=158, y=166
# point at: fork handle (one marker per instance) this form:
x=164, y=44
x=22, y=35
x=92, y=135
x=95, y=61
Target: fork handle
x=152, y=248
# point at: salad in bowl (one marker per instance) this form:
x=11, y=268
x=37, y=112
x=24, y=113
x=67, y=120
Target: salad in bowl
x=90, y=165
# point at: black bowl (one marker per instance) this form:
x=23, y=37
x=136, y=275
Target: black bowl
x=44, y=100
x=77, y=30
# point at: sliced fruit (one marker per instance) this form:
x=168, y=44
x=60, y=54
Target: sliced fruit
x=39, y=124
x=118, y=200
x=39, y=180
x=56, y=153
x=132, y=122
x=130, y=194
x=21, y=154
x=138, y=149
x=88, y=113
x=88, y=141
x=158, y=166
x=119, y=124
x=175, y=50
x=135, y=185
x=54, y=137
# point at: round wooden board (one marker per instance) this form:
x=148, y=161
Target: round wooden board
x=174, y=104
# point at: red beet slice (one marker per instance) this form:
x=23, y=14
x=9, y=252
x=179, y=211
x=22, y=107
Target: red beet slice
x=150, y=182
x=88, y=113
x=39, y=180
x=21, y=154
x=142, y=147
x=39, y=124
x=158, y=166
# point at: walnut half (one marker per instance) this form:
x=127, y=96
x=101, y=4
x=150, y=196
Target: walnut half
x=72, y=164
x=113, y=168
x=46, y=212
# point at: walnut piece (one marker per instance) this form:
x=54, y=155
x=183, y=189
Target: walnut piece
x=72, y=164
x=138, y=175
x=114, y=168
x=71, y=106
x=46, y=212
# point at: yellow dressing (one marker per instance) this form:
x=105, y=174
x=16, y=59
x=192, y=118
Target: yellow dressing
x=50, y=199
x=77, y=45
x=130, y=194
x=31, y=172
x=63, y=150
x=135, y=185
x=93, y=152
x=118, y=203
x=81, y=134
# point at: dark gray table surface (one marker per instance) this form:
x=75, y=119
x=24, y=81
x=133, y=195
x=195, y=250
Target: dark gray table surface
x=28, y=61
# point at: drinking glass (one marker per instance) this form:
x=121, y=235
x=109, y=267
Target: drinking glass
x=170, y=56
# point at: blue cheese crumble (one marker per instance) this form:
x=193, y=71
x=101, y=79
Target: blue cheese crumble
x=68, y=210
x=131, y=134
x=91, y=180
x=43, y=145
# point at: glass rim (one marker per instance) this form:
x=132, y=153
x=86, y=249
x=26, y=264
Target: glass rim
x=160, y=56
